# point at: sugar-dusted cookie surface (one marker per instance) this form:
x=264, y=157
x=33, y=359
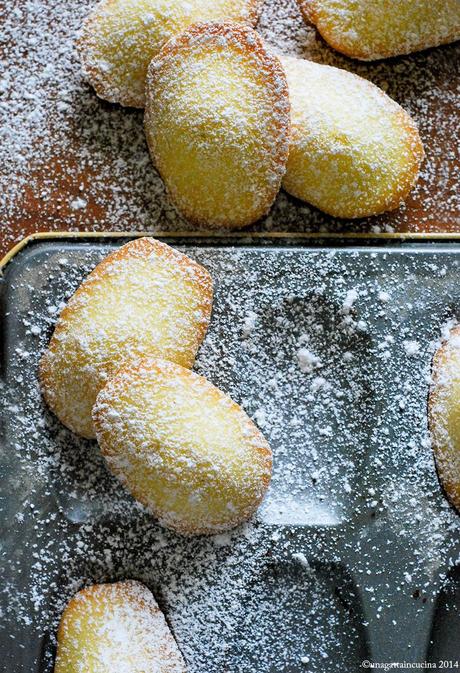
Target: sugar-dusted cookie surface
x=217, y=123
x=374, y=29
x=182, y=447
x=444, y=414
x=354, y=151
x=120, y=38
x=143, y=299
x=116, y=628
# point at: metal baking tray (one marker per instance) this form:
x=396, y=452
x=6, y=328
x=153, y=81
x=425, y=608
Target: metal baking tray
x=354, y=556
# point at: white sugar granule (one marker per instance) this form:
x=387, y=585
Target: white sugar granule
x=78, y=204
x=249, y=324
x=411, y=347
x=349, y=301
x=308, y=361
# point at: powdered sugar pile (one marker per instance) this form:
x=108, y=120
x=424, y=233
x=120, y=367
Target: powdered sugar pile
x=355, y=538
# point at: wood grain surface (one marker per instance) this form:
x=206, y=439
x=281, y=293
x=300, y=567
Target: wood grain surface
x=70, y=161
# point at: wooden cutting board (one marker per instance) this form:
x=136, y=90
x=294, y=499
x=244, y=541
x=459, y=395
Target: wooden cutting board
x=69, y=161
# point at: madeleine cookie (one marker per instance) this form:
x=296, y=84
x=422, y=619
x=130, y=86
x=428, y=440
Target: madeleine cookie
x=120, y=38
x=354, y=151
x=116, y=628
x=444, y=415
x=373, y=29
x=217, y=123
x=143, y=299
x=182, y=447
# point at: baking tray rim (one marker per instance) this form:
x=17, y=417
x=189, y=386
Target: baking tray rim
x=219, y=235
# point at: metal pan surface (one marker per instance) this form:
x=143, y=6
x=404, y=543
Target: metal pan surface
x=354, y=554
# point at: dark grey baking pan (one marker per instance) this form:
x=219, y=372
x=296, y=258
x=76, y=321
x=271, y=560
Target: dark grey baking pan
x=353, y=558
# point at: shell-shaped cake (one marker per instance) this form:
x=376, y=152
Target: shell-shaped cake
x=217, y=124
x=110, y=628
x=373, y=29
x=444, y=414
x=143, y=299
x=181, y=447
x=354, y=151
x=120, y=37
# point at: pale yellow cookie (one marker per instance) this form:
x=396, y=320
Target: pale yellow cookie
x=373, y=29
x=120, y=38
x=143, y=299
x=116, y=628
x=217, y=124
x=354, y=151
x=444, y=415
x=182, y=447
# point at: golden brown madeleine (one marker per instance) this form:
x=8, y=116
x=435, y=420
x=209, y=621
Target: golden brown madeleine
x=120, y=38
x=143, y=299
x=444, y=414
x=116, y=628
x=373, y=29
x=354, y=151
x=217, y=124
x=182, y=447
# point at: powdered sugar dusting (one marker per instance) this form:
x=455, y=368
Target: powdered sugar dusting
x=354, y=151
x=119, y=39
x=120, y=627
x=60, y=143
x=146, y=299
x=186, y=451
x=443, y=411
x=217, y=123
x=374, y=29
x=354, y=492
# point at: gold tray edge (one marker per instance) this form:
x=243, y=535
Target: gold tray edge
x=51, y=235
